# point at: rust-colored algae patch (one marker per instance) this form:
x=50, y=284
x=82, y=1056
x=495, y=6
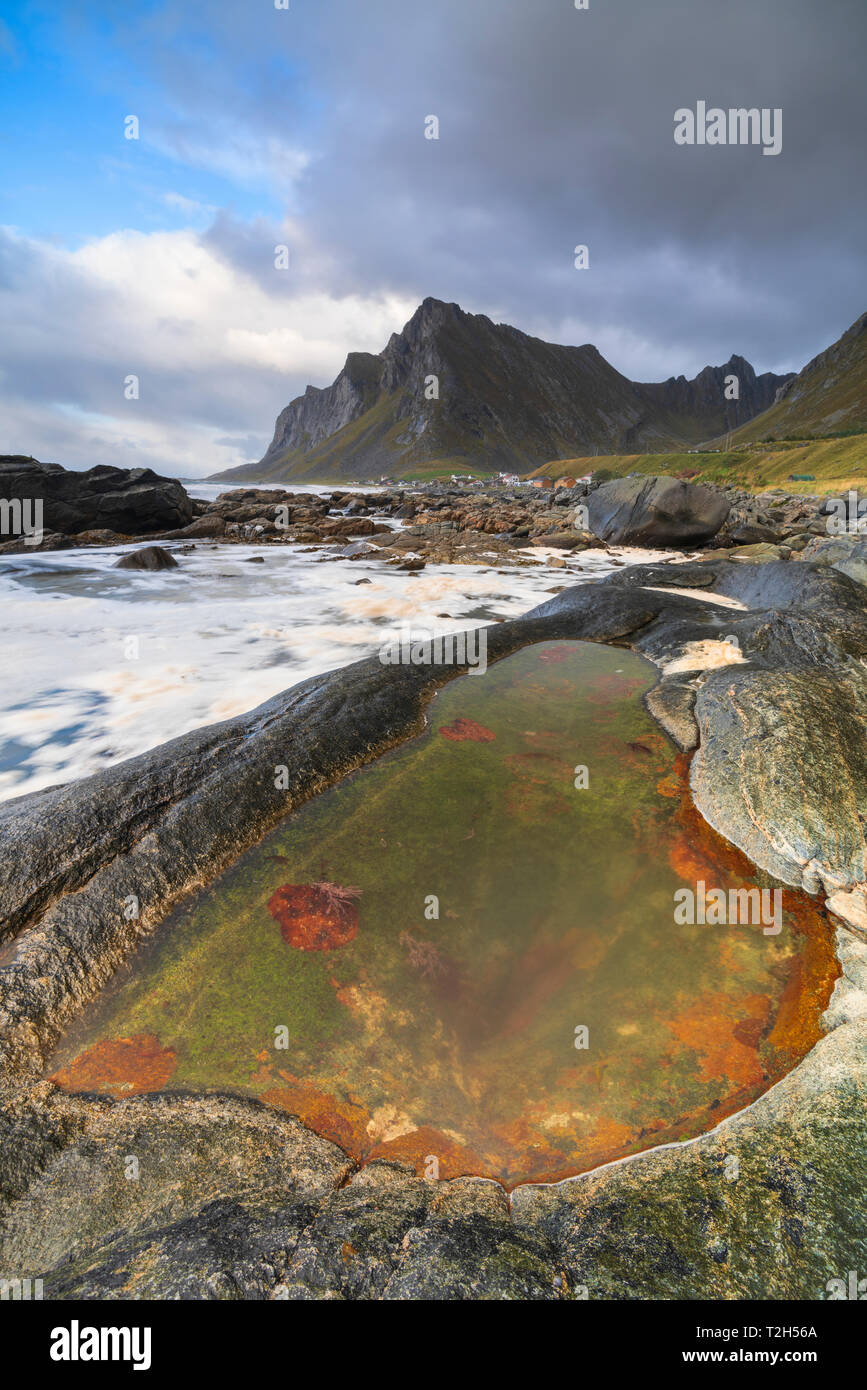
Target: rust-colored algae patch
x=508, y=992
x=344, y=1122
x=432, y=1153
x=461, y=730
x=710, y=1028
x=315, y=916
x=120, y=1066
x=809, y=973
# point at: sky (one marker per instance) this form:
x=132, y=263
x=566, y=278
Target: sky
x=304, y=127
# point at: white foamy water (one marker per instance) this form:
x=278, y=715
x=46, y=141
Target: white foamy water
x=101, y=664
x=209, y=492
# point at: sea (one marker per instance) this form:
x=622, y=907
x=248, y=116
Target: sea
x=102, y=664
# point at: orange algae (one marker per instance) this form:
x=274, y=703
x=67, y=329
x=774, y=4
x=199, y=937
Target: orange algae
x=315, y=916
x=122, y=1066
x=461, y=730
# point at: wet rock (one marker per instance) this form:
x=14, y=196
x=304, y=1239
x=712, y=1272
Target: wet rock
x=782, y=770
x=100, y=537
x=672, y=703
x=223, y=1190
x=153, y=557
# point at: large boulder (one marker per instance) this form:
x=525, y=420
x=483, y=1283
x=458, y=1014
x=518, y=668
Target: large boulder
x=132, y=501
x=655, y=511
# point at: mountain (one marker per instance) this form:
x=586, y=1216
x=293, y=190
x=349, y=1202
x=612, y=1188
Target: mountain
x=828, y=397
x=506, y=401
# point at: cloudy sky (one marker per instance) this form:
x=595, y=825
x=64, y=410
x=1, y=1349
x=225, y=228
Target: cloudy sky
x=305, y=127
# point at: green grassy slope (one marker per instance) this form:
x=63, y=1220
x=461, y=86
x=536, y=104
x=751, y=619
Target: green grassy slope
x=836, y=464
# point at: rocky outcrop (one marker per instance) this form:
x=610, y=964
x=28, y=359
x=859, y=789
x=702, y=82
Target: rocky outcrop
x=127, y=501
x=457, y=387
x=655, y=511
x=236, y=1201
x=705, y=397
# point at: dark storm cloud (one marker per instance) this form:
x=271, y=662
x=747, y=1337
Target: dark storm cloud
x=556, y=127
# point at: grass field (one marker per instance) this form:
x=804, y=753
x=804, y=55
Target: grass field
x=837, y=464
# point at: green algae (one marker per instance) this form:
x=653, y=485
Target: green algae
x=444, y=1032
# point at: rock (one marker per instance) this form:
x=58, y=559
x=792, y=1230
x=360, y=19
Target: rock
x=130, y=501
x=671, y=703
x=560, y=540
x=848, y=554
x=748, y=534
x=153, y=557
x=355, y=548
x=210, y=525
x=347, y=526
x=100, y=537
x=230, y=1187
x=655, y=511
x=782, y=770
x=758, y=554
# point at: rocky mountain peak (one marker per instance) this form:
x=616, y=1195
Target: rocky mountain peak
x=501, y=399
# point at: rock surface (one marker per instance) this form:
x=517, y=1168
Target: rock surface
x=131, y=501
x=153, y=557
x=655, y=511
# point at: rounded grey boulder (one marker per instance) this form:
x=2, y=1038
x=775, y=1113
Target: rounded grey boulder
x=655, y=511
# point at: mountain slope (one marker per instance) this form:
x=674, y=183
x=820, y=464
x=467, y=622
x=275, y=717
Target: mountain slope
x=828, y=397
x=505, y=401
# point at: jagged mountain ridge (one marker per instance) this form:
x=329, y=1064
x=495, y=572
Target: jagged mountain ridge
x=506, y=401
x=828, y=397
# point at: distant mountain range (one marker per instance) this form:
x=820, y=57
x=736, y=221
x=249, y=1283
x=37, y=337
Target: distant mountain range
x=456, y=391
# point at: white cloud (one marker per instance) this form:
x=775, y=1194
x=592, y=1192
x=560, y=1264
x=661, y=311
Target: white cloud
x=247, y=159
x=218, y=352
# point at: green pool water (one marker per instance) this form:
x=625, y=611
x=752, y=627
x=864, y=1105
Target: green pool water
x=484, y=914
